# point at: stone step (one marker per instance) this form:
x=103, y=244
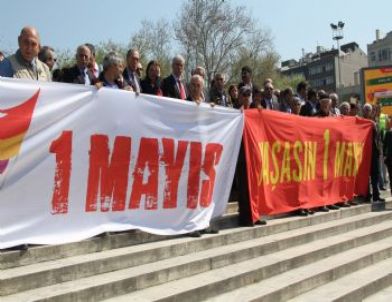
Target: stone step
x=269, y=268
x=71, y=268
x=210, y=263
x=384, y=295
x=37, y=254
x=299, y=280
x=352, y=287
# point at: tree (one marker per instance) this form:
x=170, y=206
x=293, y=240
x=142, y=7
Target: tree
x=154, y=40
x=214, y=34
x=103, y=48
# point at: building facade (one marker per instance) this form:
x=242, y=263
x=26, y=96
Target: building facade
x=380, y=51
x=321, y=69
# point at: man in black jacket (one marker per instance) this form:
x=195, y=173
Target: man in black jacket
x=173, y=86
x=130, y=73
x=79, y=73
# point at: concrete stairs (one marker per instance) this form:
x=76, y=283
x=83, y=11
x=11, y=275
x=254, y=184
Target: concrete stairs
x=343, y=255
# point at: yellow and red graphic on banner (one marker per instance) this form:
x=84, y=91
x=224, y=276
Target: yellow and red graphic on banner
x=14, y=123
x=299, y=162
x=377, y=84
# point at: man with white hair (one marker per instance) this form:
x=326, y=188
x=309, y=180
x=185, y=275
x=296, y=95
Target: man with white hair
x=79, y=73
x=344, y=108
x=173, y=86
x=334, y=103
x=24, y=64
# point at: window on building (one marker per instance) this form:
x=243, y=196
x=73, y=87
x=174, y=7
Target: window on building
x=372, y=56
x=330, y=80
x=329, y=67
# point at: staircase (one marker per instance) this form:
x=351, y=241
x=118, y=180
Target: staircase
x=343, y=255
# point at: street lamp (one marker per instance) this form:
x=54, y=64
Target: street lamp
x=337, y=34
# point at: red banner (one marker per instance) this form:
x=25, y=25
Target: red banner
x=300, y=162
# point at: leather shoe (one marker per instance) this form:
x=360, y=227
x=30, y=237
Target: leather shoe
x=261, y=222
x=195, y=234
x=333, y=207
x=322, y=209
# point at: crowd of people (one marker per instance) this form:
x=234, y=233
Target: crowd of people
x=32, y=61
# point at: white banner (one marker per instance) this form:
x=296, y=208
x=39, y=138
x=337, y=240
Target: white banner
x=76, y=162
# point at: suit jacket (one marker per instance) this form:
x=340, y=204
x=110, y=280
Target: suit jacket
x=219, y=98
x=170, y=89
x=130, y=80
x=73, y=75
x=147, y=88
x=308, y=109
x=274, y=104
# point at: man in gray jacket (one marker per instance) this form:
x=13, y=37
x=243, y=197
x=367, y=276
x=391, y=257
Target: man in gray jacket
x=24, y=64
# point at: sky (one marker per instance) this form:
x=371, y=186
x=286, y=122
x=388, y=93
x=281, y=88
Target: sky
x=294, y=25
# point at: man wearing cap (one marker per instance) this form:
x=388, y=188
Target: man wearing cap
x=24, y=64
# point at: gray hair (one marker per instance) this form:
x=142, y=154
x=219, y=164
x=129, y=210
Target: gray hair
x=44, y=53
x=334, y=95
x=112, y=58
x=345, y=104
x=368, y=107
x=81, y=47
x=132, y=51
x=178, y=58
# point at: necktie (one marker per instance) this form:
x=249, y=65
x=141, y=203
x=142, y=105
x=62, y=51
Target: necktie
x=136, y=83
x=182, y=90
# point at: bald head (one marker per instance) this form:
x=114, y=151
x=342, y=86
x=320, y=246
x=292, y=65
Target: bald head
x=29, y=31
x=29, y=43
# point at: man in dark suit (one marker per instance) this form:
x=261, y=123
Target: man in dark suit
x=268, y=101
x=217, y=93
x=79, y=73
x=246, y=77
x=310, y=108
x=130, y=73
x=173, y=86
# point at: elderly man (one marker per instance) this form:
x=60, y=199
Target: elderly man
x=130, y=73
x=173, y=86
x=92, y=65
x=24, y=63
x=334, y=103
x=368, y=113
x=79, y=73
x=268, y=101
x=324, y=106
x=217, y=92
x=344, y=108
x=48, y=56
